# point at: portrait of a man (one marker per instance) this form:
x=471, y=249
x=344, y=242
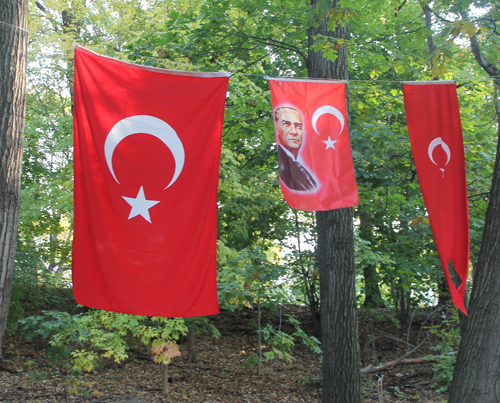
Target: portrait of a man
x=290, y=132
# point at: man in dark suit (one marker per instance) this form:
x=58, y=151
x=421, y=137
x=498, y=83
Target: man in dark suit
x=289, y=131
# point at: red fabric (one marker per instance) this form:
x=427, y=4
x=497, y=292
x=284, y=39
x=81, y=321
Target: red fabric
x=159, y=260
x=433, y=117
x=325, y=152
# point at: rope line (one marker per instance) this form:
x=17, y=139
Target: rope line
x=267, y=76
x=14, y=26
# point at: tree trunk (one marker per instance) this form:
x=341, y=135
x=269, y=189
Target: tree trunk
x=192, y=358
x=164, y=379
x=373, y=297
x=13, y=54
x=335, y=252
x=339, y=320
x=309, y=286
x=476, y=378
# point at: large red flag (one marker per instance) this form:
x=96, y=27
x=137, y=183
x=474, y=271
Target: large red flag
x=314, y=152
x=433, y=118
x=147, y=151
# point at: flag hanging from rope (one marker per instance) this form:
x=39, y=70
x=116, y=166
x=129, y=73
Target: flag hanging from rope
x=146, y=159
x=314, y=153
x=433, y=117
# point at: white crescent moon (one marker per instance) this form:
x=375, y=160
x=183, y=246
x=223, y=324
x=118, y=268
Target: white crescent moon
x=433, y=144
x=328, y=109
x=148, y=125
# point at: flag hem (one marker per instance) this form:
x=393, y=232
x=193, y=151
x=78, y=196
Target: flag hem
x=155, y=69
x=429, y=82
x=305, y=80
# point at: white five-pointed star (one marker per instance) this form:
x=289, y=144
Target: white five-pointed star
x=330, y=143
x=140, y=205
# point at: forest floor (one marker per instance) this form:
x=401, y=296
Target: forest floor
x=225, y=371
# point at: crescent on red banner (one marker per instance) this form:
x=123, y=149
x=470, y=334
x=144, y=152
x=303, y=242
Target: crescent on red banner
x=314, y=153
x=441, y=130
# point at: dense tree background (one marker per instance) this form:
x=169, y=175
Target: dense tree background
x=267, y=252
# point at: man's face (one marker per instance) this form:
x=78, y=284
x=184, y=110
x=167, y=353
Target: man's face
x=289, y=128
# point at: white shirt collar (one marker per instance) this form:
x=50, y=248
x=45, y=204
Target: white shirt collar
x=287, y=152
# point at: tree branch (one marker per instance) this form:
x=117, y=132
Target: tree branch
x=273, y=42
x=485, y=64
x=370, y=369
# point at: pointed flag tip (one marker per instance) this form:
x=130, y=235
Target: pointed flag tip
x=461, y=306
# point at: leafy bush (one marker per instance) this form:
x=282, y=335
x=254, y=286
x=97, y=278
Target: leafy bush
x=60, y=329
x=282, y=343
x=84, y=338
x=444, y=362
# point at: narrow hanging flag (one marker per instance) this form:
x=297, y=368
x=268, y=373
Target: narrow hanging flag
x=314, y=152
x=147, y=151
x=433, y=118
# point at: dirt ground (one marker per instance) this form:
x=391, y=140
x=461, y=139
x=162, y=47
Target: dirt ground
x=225, y=372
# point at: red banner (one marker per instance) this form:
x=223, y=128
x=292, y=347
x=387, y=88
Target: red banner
x=147, y=150
x=433, y=117
x=315, y=162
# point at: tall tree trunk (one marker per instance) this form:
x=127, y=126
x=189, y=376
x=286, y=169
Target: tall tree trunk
x=430, y=39
x=309, y=287
x=13, y=54
x=164, y=379
x=335, y=252
x=192, y=357
x=373, y=297
x=476, y=378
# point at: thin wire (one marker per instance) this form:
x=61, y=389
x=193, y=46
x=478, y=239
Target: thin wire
x=14, y=26
x=179, y=63
x=266, y=76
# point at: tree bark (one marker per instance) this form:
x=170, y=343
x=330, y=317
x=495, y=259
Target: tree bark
x=335, y=253
x=339, y=318
x=13, y=54
x=192, y=357
x=164, y=379
x=430, y=39
x=476, y=378
x=373, y=297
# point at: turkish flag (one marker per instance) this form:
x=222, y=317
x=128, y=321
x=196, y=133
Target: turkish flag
x=315, y=161
x=146, y=160
x=433, y=118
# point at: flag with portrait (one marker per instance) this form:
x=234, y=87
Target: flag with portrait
x=316, y=171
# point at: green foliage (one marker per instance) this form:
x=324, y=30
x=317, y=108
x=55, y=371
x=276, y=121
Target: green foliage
x=202, y=325
x=251, y=362
x=82, y=388
x=31, y=298
x=83, y=339
x=250, y=276
x=282, y=343
x=60, y=329
x=444, y=361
